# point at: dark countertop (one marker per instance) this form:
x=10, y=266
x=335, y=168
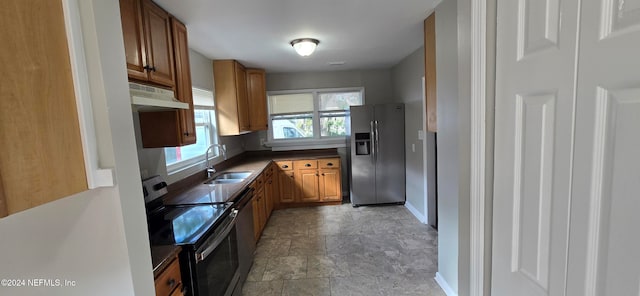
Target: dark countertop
x=198, y=192
x=161, y=256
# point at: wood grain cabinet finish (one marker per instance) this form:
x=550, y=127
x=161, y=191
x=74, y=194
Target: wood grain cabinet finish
x=134, y=41
x=169, y=281
x=42, y=158
x=173, y=128
x=146, y=29
x=430, y=72
x=330, y=185
x=308, y=185
x=257, y=98
x=231, y=97
x=287, y=185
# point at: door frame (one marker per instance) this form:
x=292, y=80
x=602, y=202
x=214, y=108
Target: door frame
x=478, y=199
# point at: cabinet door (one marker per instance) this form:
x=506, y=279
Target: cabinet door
x=41, y=158
x=256, y=216
x=330, y=185
x=268, y=194
x=133, y=36
x=183, y=82
x=307, y=182
x=241, y=94
x=287, y=184
x=257, y=97
x=262, y=203
x=157, y=25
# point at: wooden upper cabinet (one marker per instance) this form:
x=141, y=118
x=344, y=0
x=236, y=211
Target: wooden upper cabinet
x=146, y=30
x=157, y=25
x=133, y=35
x=243, y=100
x=231, y=97
x=173, y=128
x=184, y=91
x=430, y=72
x=257, y=94
x=42, y=159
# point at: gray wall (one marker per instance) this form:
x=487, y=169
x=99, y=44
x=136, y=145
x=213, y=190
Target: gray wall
x=406, y=78
x=152, y=160
x=376, y=83
x=447, y=140
x=453, y=62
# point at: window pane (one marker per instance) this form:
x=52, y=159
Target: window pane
x=339, y=101
x=204, y=128
x=291, y=103
x=332, y=124
x=292, y=126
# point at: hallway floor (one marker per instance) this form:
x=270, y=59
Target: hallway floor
x=341, y=250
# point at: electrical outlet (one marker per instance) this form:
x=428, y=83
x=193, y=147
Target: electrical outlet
x=262, y=140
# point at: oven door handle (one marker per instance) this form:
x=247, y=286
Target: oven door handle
x=200, y=256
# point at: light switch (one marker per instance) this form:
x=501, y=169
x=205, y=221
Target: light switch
x=420, y=135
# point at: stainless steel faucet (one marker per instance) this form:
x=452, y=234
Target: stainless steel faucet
x=210, y=169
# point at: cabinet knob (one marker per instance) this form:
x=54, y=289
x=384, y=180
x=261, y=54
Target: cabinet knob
x=316, y=174
x=330, y=164
x=307, y=165
x=186, y=134
x=323, y=174
x=171, y=283
x=285, y=166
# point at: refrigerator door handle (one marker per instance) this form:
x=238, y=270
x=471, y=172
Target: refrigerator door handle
x=373, y=141
x=377, y=137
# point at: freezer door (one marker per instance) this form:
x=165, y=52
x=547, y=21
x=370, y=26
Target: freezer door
x=362, y=156
x=389, y=147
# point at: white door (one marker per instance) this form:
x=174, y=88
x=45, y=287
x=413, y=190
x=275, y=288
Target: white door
x=604, y=254
x=548, y=169
x=533, y=143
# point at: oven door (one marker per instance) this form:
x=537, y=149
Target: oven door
x=216, y=268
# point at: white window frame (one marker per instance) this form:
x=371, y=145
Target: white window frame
x=187, y=167
x=317, y=141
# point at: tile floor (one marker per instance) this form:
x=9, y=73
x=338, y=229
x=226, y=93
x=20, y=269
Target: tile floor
x=341, y=250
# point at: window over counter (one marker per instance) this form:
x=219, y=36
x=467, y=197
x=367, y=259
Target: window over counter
x=178, y=158
x=312, y=116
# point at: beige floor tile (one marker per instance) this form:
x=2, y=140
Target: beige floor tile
x=307, y=287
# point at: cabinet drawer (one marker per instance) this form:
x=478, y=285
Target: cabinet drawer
x=305, y=164
x=285, y=165
x=329, y=163
x=169, y=279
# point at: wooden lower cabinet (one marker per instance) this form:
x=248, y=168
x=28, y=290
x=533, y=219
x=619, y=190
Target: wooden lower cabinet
x=258, y=213
x=330, y=185
x=307, y=183
x=310, y=181
x=287, y=186
x=269, y=192
x=169, y=281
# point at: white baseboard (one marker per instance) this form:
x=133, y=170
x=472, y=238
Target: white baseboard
x=422, y=218
x=444, y=285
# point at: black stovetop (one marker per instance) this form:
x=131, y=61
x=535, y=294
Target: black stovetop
x=184, y=225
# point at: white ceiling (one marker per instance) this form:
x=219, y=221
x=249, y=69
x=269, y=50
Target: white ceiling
x=365, y=34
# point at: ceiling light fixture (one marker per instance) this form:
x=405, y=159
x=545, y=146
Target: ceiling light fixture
x=305, y=46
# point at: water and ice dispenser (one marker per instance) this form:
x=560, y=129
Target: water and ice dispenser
x=363, y=143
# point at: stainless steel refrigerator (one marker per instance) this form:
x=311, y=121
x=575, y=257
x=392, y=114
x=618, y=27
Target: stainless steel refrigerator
x=377, y=154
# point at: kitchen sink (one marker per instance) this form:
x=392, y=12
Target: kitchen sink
x=224, y=181
x=229, y=178
x=233, y=175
